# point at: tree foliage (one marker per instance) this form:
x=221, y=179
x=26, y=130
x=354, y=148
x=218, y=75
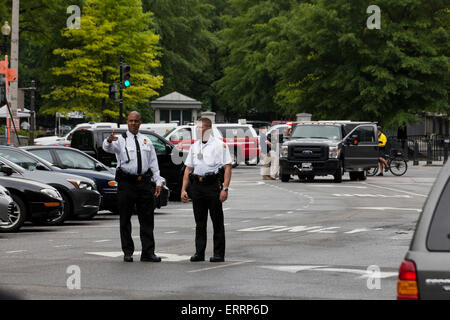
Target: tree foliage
x=109, y=28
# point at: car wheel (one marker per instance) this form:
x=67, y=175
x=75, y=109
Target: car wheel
x=17, y=218
x=354, y=176
x=58, y=220
x=362, y=175
x=338, y=174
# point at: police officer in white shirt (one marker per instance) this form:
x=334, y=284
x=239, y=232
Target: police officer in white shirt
x=208, y=175
x=137, y=168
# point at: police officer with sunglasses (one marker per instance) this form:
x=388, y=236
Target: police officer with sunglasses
x=136, y=174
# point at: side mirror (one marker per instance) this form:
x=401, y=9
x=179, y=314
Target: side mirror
x=354, y=139
x=281, y=138
x=7, y=170
x=168, y=149
x=98, y=167
x=41, y=167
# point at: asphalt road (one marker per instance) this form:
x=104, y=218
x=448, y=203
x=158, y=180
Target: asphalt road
x=284, y=241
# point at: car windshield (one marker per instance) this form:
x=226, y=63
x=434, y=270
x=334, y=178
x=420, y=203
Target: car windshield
x=168, y=132
x=317, y=132
x=14, y=166
x=21, y=159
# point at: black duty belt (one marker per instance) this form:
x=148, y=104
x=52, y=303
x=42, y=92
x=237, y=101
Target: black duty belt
x=206, y=179
x=123, y=176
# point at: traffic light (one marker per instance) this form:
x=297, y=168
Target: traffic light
x=113, y=91
x=126, y=75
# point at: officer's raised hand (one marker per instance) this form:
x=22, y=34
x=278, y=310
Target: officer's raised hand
x=112, y=137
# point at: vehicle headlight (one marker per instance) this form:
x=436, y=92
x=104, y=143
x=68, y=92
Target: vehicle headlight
x=284, y=151
x=52, y=193
x=334, y=152
x=82, y=185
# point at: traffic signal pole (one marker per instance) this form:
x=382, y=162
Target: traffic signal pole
x=120, y=94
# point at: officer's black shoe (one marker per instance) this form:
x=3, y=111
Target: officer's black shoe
x=152, y=258
x=197, y=257
x=216, y=259
x=128, y=258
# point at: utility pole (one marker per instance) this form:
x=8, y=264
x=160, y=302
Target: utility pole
x=13, y=90
x=32, y=90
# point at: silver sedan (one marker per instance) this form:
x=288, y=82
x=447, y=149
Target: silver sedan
x=6, y=205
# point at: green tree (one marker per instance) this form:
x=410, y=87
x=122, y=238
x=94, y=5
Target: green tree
x=329, y=63
x=186, y=42
x=109, y=28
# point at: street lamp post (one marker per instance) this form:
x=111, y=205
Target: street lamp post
x=6, y=30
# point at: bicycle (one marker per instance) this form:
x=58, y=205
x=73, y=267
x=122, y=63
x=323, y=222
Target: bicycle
x=397, y=164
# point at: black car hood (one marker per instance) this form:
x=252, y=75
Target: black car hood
x=11, y=181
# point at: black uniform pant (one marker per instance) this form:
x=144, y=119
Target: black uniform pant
x=206, y=198
x=141, y=195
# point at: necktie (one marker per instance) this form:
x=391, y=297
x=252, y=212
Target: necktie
x=138, y=151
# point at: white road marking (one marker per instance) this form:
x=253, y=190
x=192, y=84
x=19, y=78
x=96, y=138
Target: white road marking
x=357, y=231
x=62, y=246
x=17, y=251
x=246, y=221
x=325, y=230
x=297, y=229
x=100, y=241
x=170, y=232
x=363, y=273
x=291, y=269
x=396, y=190
x=221, y=266
x=388, y=208
x=261, y=228
x=168, y=257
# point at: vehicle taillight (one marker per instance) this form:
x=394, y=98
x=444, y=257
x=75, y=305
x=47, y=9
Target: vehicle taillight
x=407, y=288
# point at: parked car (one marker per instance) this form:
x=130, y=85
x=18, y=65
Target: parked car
x=80, y=195
x=74, y=164
x=425, y=272
x=158, y=128
x=257, y=124
x=170, y=158
x=66, y=139
x=6, y=207
x=32, y=200
x=241, y=140
x=74, y=161
x=323, y=148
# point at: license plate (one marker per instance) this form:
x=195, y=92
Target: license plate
x=307, y=166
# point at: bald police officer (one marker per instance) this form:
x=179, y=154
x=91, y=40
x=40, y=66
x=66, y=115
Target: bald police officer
x=137, y=168
x=208, y=175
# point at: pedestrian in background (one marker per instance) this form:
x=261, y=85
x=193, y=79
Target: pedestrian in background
x=137, y=168
x=207, y=178
x=274, y=155
x=264, y=145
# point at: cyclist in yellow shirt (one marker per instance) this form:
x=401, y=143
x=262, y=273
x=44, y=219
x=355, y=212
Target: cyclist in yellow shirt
x=382, y=140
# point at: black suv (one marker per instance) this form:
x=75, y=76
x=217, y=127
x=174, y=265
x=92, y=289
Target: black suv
x=170, y=158
x=329, y=147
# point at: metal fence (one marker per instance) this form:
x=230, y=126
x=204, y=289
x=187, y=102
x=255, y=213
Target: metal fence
x=430, y=148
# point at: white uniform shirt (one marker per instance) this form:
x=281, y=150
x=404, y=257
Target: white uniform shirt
x=148, y=155
x=214, y=155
